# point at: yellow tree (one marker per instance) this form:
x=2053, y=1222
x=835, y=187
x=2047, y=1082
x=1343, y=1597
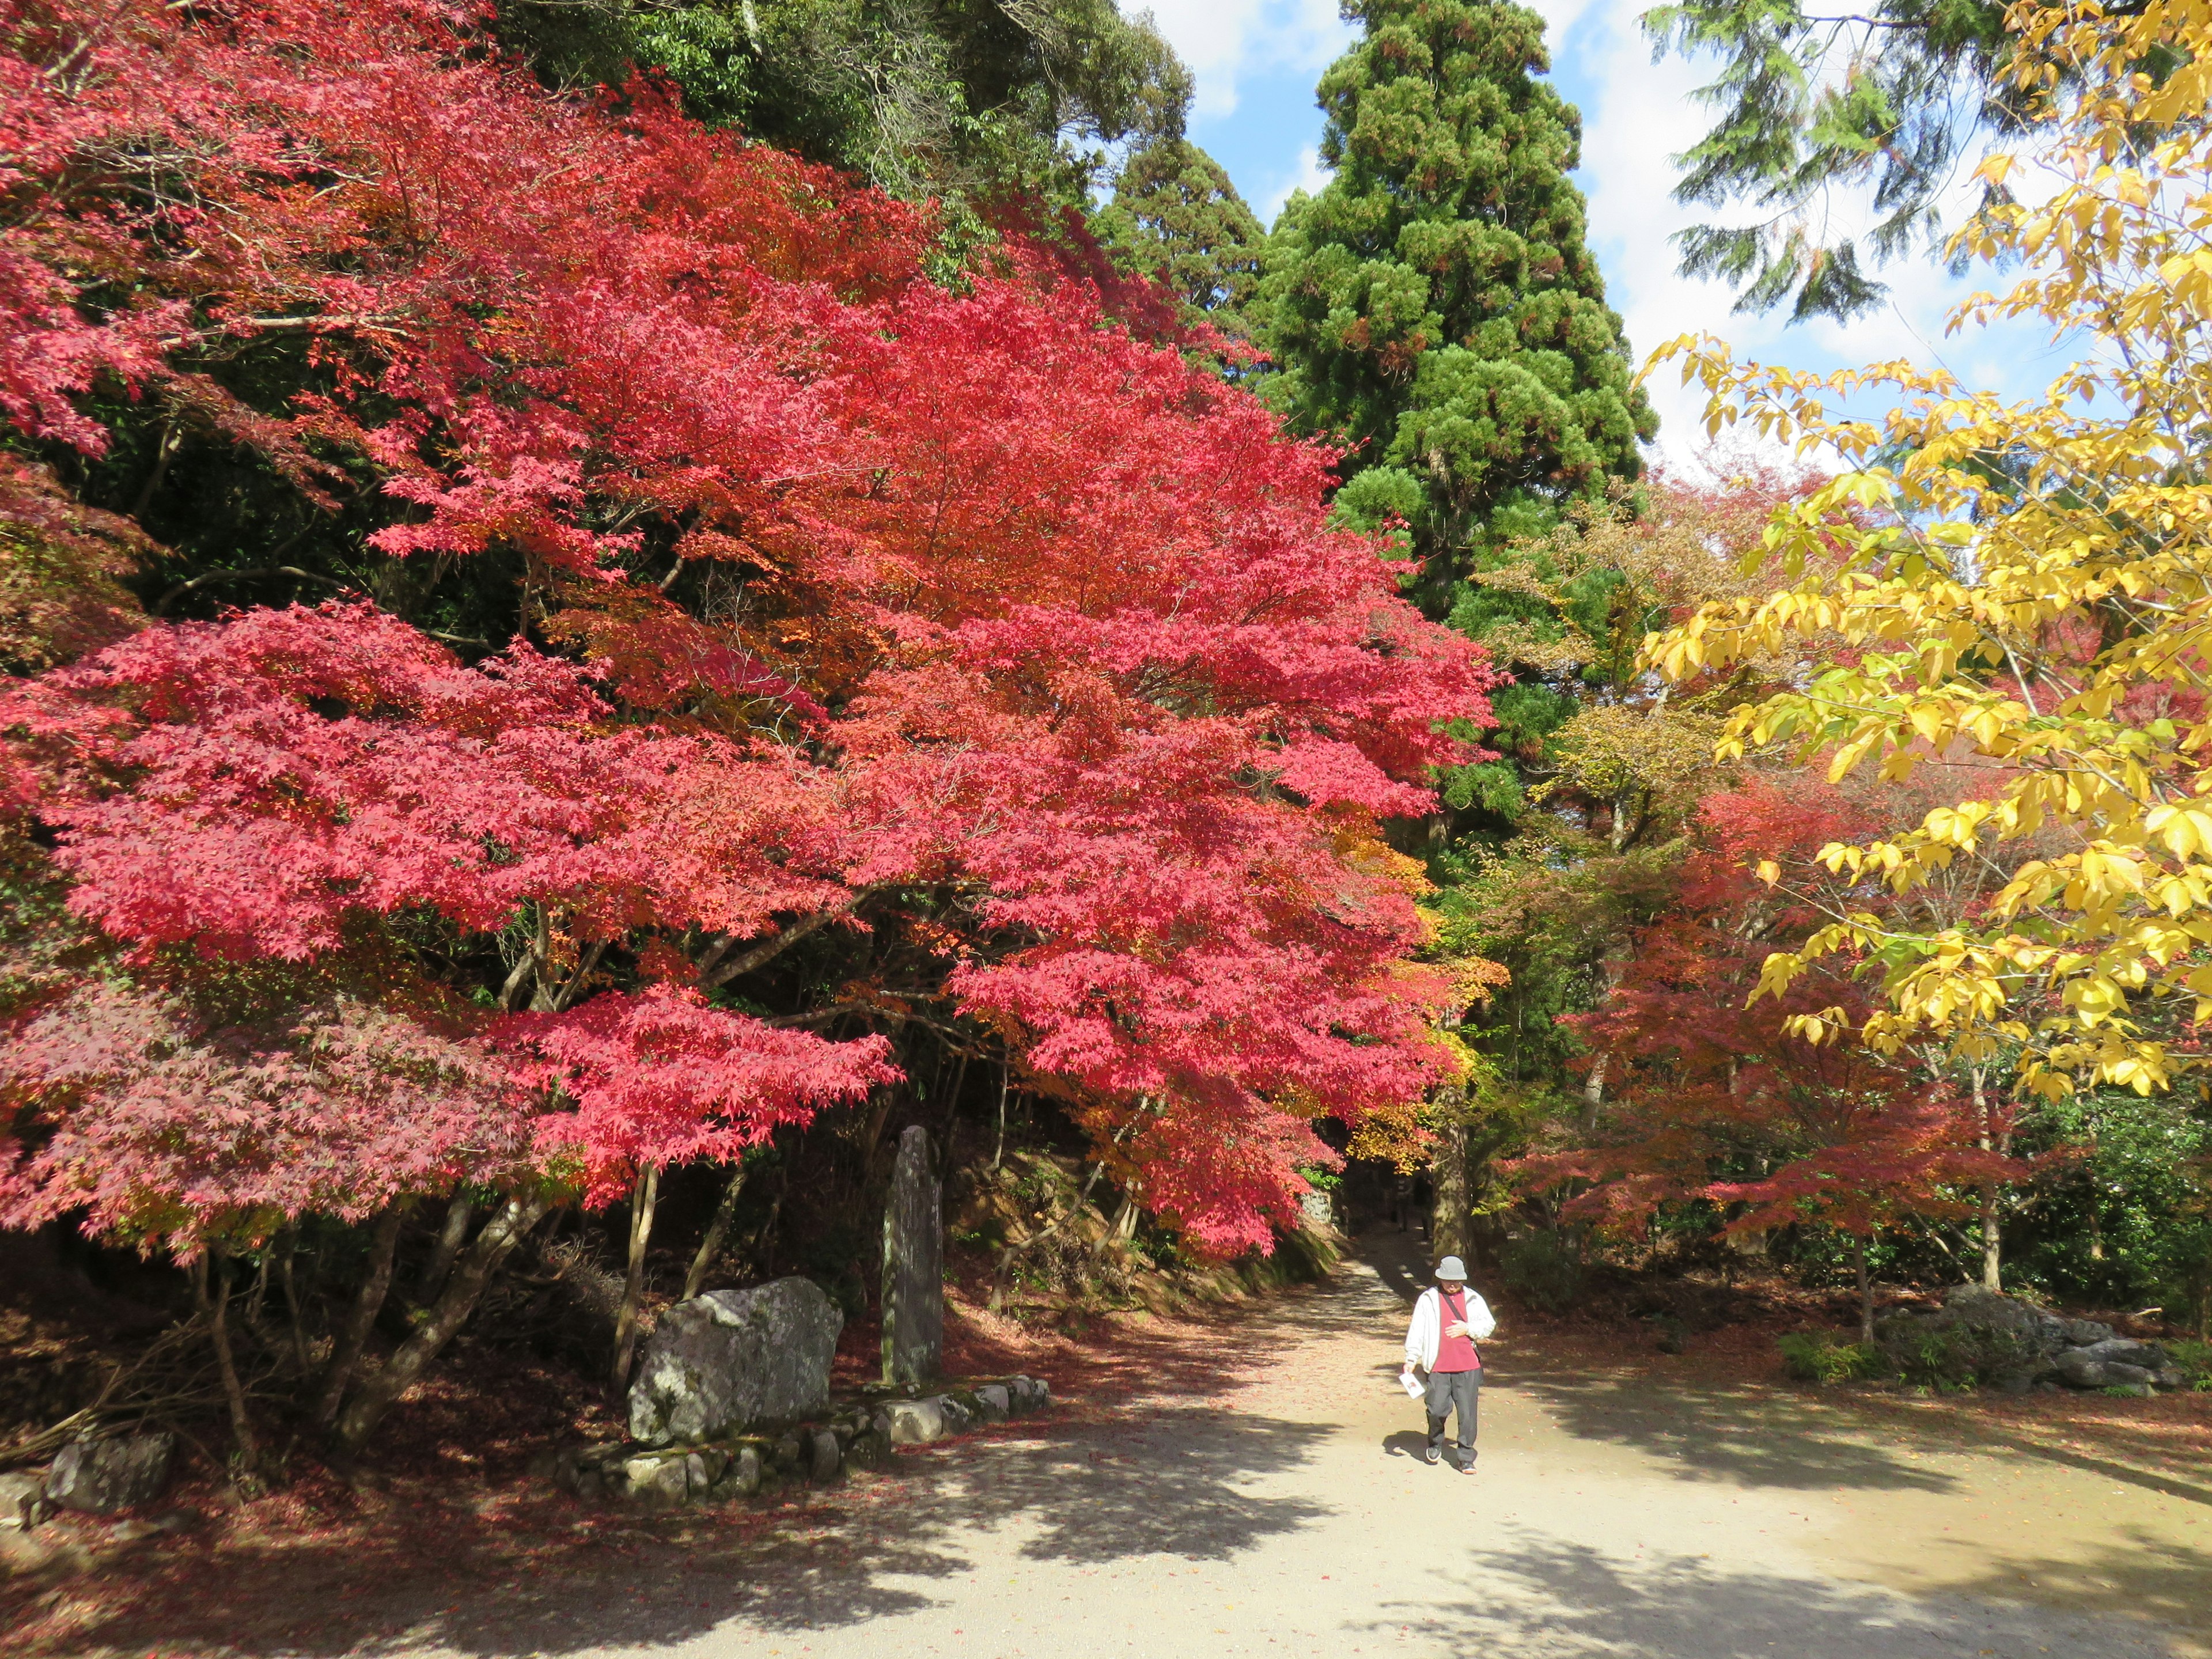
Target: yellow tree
x=2027, y=584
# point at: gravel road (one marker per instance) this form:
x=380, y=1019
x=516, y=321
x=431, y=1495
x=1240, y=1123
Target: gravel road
x=1292, y=1514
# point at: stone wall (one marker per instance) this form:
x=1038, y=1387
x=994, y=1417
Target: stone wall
x=859, y=1435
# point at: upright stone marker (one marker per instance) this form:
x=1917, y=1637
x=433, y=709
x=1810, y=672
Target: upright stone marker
x=914, y=1267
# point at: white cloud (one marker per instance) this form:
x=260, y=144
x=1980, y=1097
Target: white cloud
x=1309, y=175
x=1225, y=41
x=1638, y=115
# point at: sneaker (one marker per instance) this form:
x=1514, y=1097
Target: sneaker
x=1466, y=1464
x=1433, y=1456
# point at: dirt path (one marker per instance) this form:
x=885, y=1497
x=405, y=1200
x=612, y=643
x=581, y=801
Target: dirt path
x=1289, y=1512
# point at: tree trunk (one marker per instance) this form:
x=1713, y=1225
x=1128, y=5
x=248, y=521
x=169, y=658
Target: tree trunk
x=345, y=1353
x=1866, y=1288
x=451, y=1236
x=717, y=1229
x=455, y=1303
x=241, y=1421
x=952, y=1106
x=1005, y=1081
x=292, y=1303
x=1447, y=1170
x=1594, y=1092
x=643, y=1197
x=1992, y=1239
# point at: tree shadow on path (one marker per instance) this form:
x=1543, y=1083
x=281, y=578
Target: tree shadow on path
x=1546, y=1600
x=1714, y=1434
x=1080, y=1486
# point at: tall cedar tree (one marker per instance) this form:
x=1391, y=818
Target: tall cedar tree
x=1435, y=306
x=1175, y=214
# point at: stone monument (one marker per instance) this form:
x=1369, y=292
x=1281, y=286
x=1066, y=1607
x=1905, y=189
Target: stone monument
x=914, y=1267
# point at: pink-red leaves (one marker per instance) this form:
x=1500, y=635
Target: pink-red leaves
x=966, y=600
x=662, y=1078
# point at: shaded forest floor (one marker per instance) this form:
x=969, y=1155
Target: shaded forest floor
x=446, y=1495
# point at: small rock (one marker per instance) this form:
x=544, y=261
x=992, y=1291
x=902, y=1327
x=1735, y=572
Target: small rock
x=2127, y=1375
x=915, y=1422
x=2171, y=1376
x=871, y=1450
x=656, y=1482
x=697, y=1479
x=828, y=1459
x=2079, y=1368
x=1028, y=1395
x=998, y=1405
x=742, y=1478
x=2083, y=1332
x=787, y=1454
x=22, y=1498
x=99, y=1476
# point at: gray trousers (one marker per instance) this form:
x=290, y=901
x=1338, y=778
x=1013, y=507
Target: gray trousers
x=1449, y=1391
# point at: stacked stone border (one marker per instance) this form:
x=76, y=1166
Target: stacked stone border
x=861, y=1436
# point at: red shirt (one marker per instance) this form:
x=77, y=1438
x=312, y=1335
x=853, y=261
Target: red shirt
x=1455, y=1354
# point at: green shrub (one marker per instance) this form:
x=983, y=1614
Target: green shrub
x=2194, y=1361
x=1544, y=1270
x=1826, y=1356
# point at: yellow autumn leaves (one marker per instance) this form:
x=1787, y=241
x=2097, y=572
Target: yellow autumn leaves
x=2021, y=590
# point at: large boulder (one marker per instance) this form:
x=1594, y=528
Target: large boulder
x=732, y=1360
x=1973, y=1307
x=99, y=1475
x=2123, y=1350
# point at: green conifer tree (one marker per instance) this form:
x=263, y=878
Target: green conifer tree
x=1175, y=215
x=1436, y=305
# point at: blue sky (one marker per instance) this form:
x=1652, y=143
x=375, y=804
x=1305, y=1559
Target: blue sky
x=1257, y=62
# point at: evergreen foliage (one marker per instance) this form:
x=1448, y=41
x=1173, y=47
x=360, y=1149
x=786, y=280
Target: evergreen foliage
x=962, y=99
x=1926, y=78
x=1437, y=306
x=1175, y=214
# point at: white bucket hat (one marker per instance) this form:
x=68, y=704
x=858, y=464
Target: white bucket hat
x=1451, y=1267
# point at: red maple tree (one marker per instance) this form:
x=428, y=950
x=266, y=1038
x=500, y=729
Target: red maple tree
x=847, y=601
x=1719, y=1099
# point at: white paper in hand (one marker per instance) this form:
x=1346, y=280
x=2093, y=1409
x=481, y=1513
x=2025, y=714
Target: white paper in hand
x=1411, y=1383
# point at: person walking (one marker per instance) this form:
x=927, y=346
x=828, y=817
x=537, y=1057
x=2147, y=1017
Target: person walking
x=1449, y=1320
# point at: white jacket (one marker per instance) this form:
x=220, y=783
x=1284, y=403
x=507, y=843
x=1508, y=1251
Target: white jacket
x=1427, y=1332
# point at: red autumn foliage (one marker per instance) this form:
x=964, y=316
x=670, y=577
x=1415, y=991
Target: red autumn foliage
x=1715, y=1098
x=660, y=1077
x=1026, y=623
x=165, y=1128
